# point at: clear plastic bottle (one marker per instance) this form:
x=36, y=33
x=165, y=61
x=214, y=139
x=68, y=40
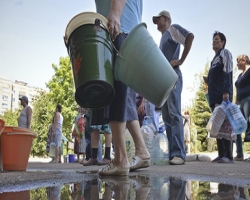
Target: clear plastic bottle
x=130, y=146
x=160, y=187
x=161, y=153
x=235, y=117
x=148, y=133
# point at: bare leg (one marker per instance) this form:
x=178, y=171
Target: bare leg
x=60, y=155
x=95, y=137
x=140, y=147
x=118, y=133
x=57, y=154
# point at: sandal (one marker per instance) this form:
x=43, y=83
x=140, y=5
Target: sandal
x=138, y=163
x=112, y=170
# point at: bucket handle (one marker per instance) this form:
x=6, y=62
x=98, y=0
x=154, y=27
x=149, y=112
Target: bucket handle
x=98, y=22
x=23, y=133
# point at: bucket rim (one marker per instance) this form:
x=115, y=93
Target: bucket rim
x=82, y=19
x=21, y=133
x=15, y=129
x=131, y=35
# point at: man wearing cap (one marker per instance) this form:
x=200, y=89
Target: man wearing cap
x=24, y=119
x=172, y=37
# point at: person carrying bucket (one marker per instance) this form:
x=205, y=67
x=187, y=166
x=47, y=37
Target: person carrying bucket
x=122, y=17
x=172, y=37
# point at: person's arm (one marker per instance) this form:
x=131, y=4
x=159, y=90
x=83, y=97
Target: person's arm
x=227, y=60
x=29, y=114
x=141, y=107
x=114, y=17
x=187, y=47
x=57, y=115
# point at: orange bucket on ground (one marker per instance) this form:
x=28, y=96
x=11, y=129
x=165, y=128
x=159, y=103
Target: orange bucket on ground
x=15, y=147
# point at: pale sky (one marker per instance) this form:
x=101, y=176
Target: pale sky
x=31, y=33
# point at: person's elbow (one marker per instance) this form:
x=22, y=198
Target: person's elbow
x=190, y=37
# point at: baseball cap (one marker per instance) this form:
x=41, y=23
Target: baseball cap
x=162, y=13
x=24, y=98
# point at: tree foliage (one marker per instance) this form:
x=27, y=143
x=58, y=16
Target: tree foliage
x=61, y=91
x=10, y=117
x=200, y=111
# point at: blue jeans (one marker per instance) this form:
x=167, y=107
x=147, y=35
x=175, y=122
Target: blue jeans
x=245, y=109
x=171, y=114
x=177, y=189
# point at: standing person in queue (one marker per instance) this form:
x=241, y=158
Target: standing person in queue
x=57, y=131
x=220, y=88
x=24, y=119
x=122, y=17
x=243, y=99
x=172, y=37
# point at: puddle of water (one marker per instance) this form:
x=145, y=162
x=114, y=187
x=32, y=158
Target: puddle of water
x=137, y=187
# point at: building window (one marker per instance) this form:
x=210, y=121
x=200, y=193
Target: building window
x=4, y=105
x=5, y=97
x=5, y=89
x=13, y=99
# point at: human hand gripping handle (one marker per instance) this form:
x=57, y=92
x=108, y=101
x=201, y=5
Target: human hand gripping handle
x=114, y=17
x=113, y=25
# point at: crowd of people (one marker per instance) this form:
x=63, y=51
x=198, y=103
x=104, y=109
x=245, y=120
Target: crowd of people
x=122, y=112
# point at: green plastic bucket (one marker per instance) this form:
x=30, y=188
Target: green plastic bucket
x=142, y=66
x=91, y=55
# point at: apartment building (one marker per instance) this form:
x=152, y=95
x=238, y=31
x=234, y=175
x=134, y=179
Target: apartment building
x=10, y=93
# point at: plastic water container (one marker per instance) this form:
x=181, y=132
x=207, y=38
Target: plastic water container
x=161, y=153
x=130, y=146
x=52, y=150
x=215, y=121
x=160, y=188
x=148, y=130
x=235, y=117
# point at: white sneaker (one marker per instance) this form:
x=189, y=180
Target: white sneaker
x=176, y=161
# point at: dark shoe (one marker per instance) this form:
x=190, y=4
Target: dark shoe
x=238, y=158
x=216, y=159
x=225, y=160
x=104, y=161
x=247, y=137
x=91, y=161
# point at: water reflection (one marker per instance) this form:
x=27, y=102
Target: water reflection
x=136, y=188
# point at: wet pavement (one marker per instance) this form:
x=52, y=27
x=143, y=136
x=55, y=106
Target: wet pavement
x=41, y=174
x=132, y=187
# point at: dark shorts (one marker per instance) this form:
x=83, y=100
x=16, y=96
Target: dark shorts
x=123, y=106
